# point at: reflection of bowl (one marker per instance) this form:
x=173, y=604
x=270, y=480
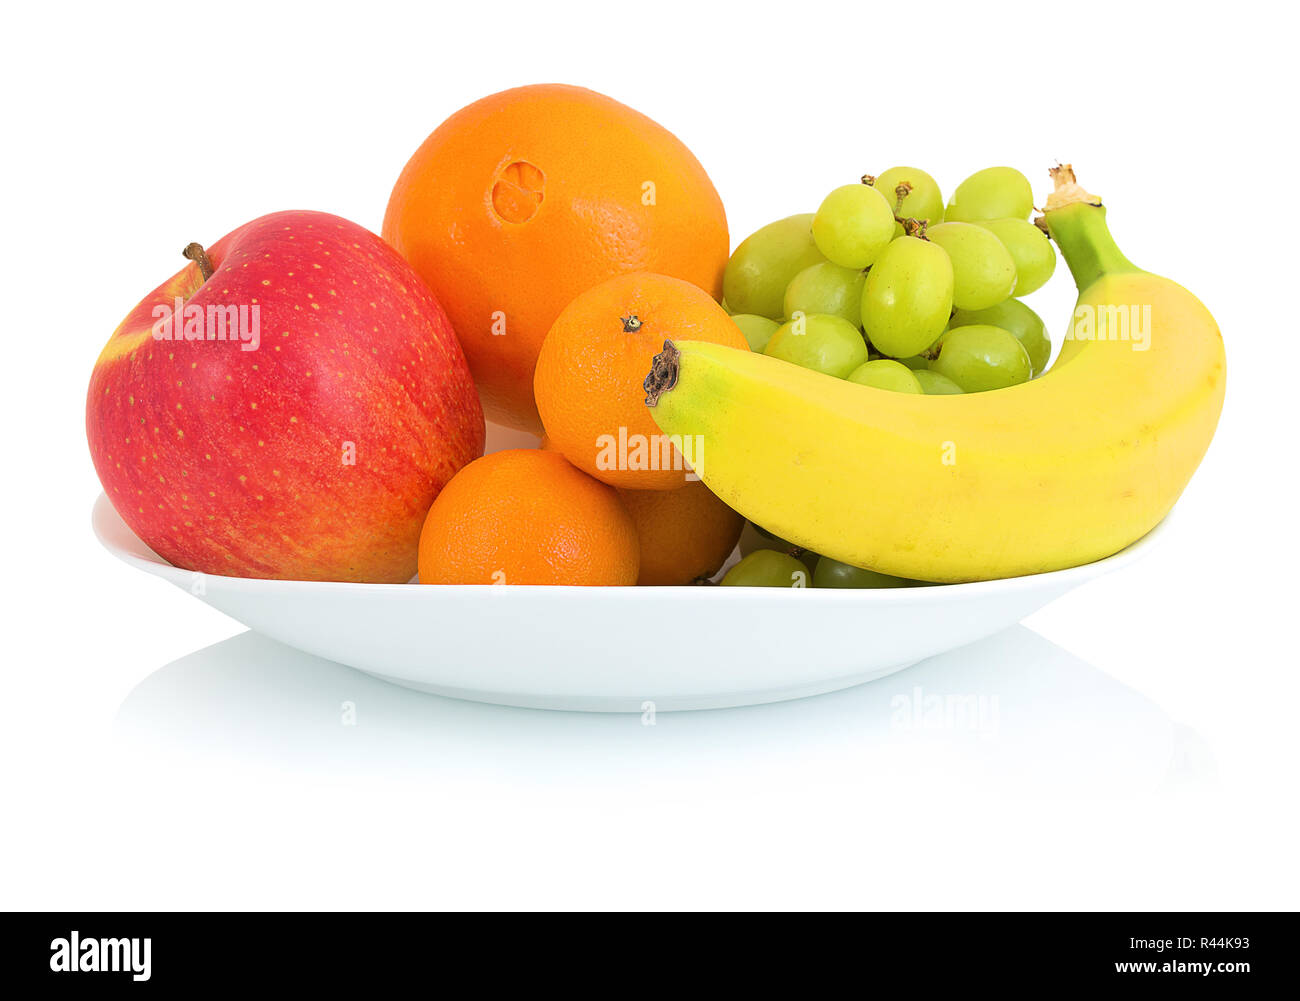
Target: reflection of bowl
x=615, y=649
x=1012, y=714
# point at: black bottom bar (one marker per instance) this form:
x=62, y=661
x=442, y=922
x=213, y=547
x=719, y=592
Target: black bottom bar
x=139, y=951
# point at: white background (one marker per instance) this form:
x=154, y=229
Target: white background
x=1144, y=754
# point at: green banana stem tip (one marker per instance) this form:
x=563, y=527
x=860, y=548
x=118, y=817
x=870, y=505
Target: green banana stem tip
x=1068, y=190
x=1076, y=220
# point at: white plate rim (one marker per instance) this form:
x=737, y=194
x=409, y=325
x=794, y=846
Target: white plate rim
x=109, y=527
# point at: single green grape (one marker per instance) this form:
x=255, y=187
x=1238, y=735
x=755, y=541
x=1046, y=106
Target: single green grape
x=934, y=384
x=1029, y=247
x=826, y=288
x=758, y=330
x=983, y=271
x=924, y=201
x=833, y=573
x=992, y=193
x=762, y=266
x=821, y=342
x=767, y=568
x=885, y=373
x=1022, y=322
x=853, y=225
x=756, y=537
x=980, y=357
x=907, y=297
x=753, y=538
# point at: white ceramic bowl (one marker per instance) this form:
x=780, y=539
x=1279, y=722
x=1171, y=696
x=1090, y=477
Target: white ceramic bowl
x=616, y=649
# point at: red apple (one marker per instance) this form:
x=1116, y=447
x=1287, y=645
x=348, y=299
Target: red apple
x=298, y=419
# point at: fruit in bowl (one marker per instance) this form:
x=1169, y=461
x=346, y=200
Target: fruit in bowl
x=577, y=244
x=923, y=486
x=286, y=406
x=527, y=198
x=527, y=516
x=685, y=535
x=591, y=366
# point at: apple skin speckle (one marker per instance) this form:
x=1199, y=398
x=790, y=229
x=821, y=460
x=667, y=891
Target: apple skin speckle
x=270, y=486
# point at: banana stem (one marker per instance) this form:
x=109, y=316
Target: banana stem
x=1077, y=222
x=1068, y=190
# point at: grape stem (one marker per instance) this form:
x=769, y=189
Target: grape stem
x=901, y=191
x=915, y=227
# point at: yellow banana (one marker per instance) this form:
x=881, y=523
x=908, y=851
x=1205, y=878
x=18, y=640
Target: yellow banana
x=1056, y=472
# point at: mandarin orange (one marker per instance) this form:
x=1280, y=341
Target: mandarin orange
x=685, y=534
x=526, y=516
x=588, y=382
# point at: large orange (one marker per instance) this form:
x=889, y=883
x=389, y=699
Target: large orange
x=592, y=366
x=525, y=516
x=684, y=534
x=524, y=199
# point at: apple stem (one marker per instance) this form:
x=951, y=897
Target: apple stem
x=199, y=256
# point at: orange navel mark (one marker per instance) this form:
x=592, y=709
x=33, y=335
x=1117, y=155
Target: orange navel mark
x=517, y=192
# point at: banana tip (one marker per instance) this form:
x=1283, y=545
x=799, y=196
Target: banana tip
x=663, y=373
